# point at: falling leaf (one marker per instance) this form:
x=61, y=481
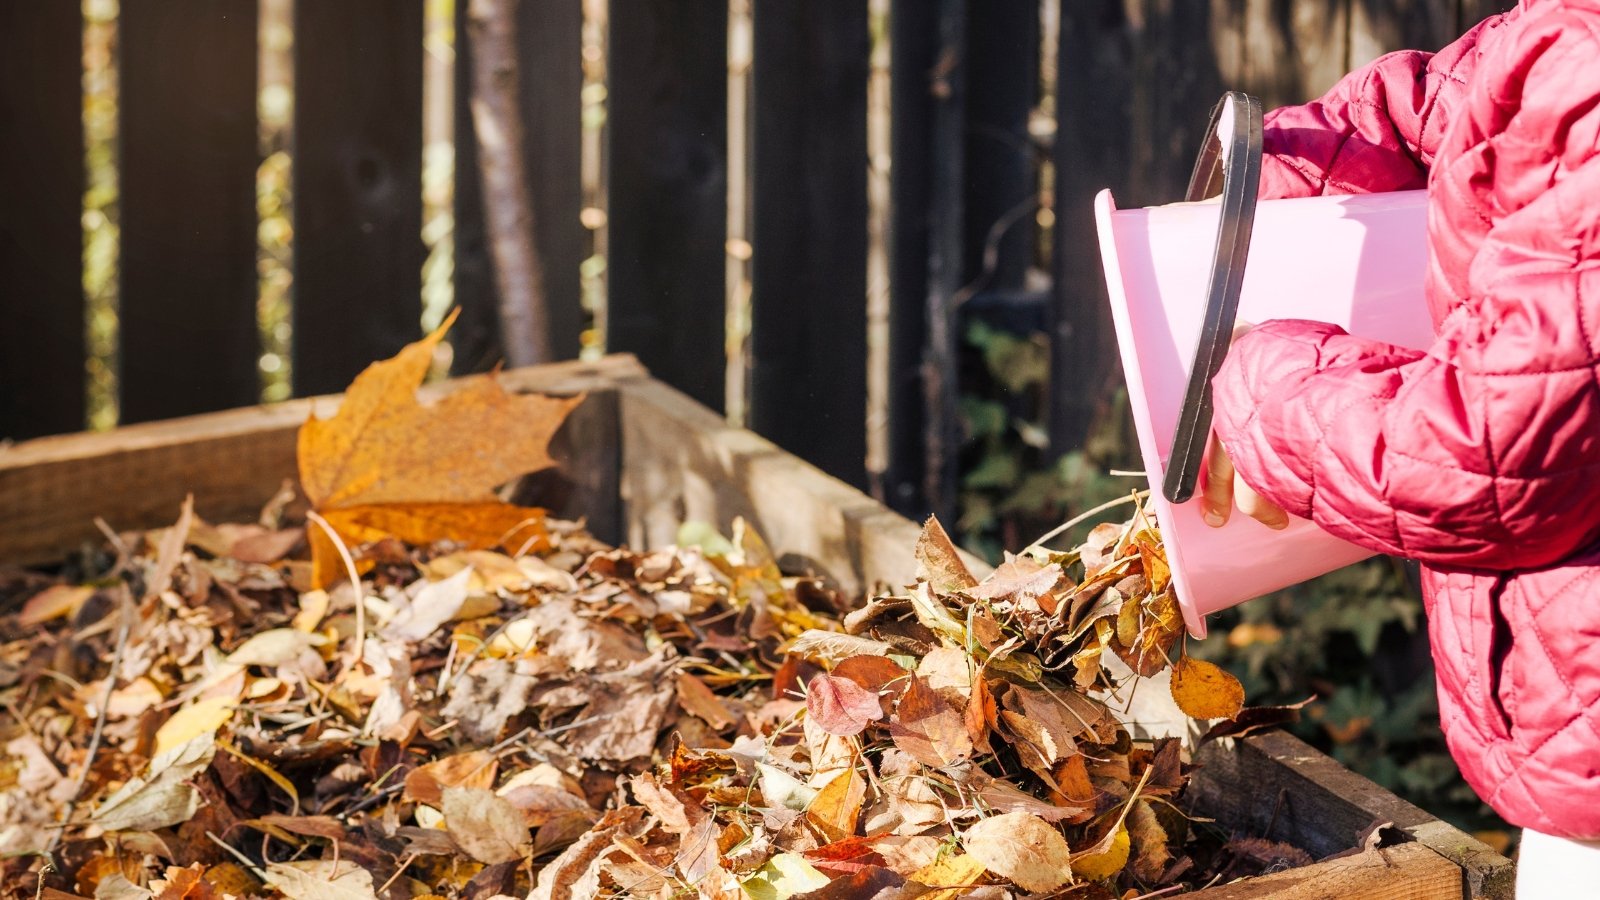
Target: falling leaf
x=1022, y=848
x=841, y=707
x=385, y=462
x=928, y=729
x=160, y=797
x=1108, y=862
x=487, y=827
x=940, y=561
x=1019, y=579
x=1204, y=690
x=321, y=880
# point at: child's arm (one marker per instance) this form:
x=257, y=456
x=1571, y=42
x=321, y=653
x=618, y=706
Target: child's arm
x=1483, y=451
x=1376, y=130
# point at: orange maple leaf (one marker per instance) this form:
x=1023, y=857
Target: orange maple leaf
x=385, y=465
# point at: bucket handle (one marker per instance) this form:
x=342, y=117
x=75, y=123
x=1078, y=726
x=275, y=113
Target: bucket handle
x=1236, y=156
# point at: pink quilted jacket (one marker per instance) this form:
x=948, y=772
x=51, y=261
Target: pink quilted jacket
x=1480, y=457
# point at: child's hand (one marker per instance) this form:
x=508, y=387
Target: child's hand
x=1225, y=489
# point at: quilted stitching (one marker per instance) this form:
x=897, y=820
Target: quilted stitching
x=1467, y=415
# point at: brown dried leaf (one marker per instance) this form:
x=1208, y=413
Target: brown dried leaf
x=321, y=879
x=699, y=701
x=58, y=601
x=1022, y=848
x=830, y=647
x=926, y=727
x=487, y=827
x=841, y=707
x=1204, y=690
x=1256, y=718
x=940, y=561
x=473, y=769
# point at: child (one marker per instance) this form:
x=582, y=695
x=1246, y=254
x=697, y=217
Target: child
x=1479, y=457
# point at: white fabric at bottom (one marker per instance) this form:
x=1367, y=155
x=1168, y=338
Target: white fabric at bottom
x=1557, y=867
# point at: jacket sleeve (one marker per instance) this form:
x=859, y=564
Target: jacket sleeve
x=1484, y=450
x=1375, y=131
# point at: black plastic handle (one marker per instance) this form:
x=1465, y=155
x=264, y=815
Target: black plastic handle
x=1236, y=156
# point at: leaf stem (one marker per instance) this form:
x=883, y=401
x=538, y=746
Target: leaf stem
x=355, y=582
x=1135, y=497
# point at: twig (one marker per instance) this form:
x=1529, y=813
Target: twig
x=255, y=870
x=46, y=869
x=404, y=865
x=1084, y=516
x=99, y=722
x=355, y=582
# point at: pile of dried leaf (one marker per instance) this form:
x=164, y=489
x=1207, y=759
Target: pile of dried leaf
x=505, y=706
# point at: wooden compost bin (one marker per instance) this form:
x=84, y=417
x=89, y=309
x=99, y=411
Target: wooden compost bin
x=636, y=459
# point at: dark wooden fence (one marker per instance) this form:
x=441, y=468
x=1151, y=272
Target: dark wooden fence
x=1136, y=79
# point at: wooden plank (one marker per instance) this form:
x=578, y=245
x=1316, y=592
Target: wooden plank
x=188, y=214
x=41, y=207
x=1401, y=25
x=681, y=462
x=1001, y=161
x=1283, y=44
x=549, y=34
x=914, y=39
x=667, y=156
x=947, y=170
x=1092, y=149
x=1324, y=806
x=233, y=461
x=809, y=231
x=357, y=186
x=1406, y=872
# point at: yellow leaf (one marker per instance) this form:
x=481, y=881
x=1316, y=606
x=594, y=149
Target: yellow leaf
x=55, y=602
x=835, y=808
x=782, y=877
x=203, y=717
x=1022, y=847
x=950, y=876
x=313, y=607
x=1099, y=866
x=1204, y=690
x=479, y=525
x=384, y=464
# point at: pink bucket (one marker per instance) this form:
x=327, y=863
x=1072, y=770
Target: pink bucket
x=1355, y=261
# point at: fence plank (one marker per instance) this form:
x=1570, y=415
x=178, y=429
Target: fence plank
x=550, y=37
x=809, y=231
x=1134, y=94
x=1001, y=162
x=914, y=37
x=668, y=176
x=188, y=266
x=357, y=186
x=41, y=238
